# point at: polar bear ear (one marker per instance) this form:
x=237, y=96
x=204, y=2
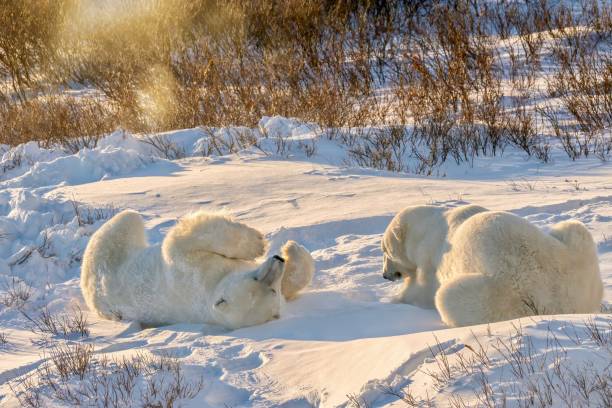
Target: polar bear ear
x=271, y=271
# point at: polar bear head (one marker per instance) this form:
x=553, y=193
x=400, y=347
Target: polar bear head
x=416, y=237
x=397, y=267
x=249, y=298
x=412, y=240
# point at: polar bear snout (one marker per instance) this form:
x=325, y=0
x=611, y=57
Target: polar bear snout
x=393, y=276
x=271, y=272
x=393, y=270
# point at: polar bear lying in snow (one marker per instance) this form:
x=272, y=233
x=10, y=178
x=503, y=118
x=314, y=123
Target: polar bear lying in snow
x=479, y=266
x=205, y=271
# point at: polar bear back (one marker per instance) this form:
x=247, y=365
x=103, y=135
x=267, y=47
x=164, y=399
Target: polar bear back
x=458, y=215
x=104, y=257
x=135, y=290
x=534, y=265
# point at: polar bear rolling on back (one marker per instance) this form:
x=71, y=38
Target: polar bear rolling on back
x=477, y=266
x=205, y=271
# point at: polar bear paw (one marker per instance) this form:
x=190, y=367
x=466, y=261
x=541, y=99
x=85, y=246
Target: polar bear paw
x=299, y=269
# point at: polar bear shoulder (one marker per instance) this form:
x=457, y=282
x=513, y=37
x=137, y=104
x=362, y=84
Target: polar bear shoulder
x=458, y=215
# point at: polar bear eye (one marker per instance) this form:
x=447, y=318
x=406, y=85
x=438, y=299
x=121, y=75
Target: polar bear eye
x=273, y=290
x=220, y=302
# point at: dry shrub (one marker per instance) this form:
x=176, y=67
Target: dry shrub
x=165, y=147
x=44, y=249
x=76, y=377
x=438, y=67
x=69, y=360
x=88, y=215
x=27, y=32
x=73, y=123
x=170, y=63
x=65, y=326
x=383, y=149
x=585, y=90
x=229, y=140
x=124, y=49
x=17, y=293
x=532, y=376
x=582, y=80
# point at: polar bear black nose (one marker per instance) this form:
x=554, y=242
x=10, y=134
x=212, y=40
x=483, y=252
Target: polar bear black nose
x=279, y=258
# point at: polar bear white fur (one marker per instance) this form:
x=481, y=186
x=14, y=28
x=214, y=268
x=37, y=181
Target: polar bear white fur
x=501, y=267
x=413, y=245
x=496, y=266
x=299, y=269
x=205, y=271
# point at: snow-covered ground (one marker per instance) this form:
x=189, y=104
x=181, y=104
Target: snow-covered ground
x=342, y=342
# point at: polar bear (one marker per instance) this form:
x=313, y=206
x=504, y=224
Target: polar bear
x=204, y=271
x=413, y=245
x=496, y=266
x=501, y=267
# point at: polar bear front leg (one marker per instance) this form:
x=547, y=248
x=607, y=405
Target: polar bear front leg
x=299, y=269
x=473, y=299
x=418, y=289
x=200, y=233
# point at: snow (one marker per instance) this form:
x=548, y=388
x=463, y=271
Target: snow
x=343, y=340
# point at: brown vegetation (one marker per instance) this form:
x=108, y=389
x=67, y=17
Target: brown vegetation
x=513, y=370
x=75, y=376
x=460, y=78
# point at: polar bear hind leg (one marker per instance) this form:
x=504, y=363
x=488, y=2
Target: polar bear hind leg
x=474, y=299
x=201, y=232
x=574, y=235
x=106, y=252
x=299, y=269
x=584, y=278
